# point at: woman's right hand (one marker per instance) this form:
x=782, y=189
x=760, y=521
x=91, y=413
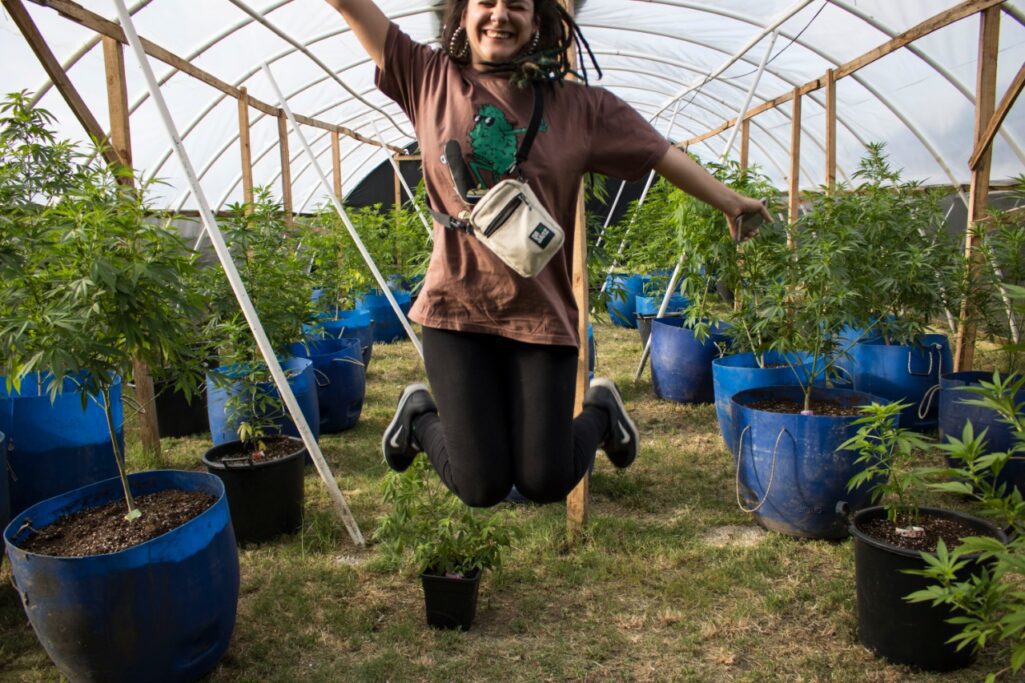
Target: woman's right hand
x=369, y=24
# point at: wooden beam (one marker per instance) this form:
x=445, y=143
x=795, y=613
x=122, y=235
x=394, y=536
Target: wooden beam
x=408, y=157
x=1006, y=102
x=59, y=77
x=121, y=142
x=336, y=163
x=578, y=501
x=105, y=27
x=934, y=23
x=245, y=146
x=745, y=142
x=286, y=167
x=795, y=161
x=978, y=196
x=830, y=129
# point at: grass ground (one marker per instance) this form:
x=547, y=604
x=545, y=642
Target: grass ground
x=671, y=582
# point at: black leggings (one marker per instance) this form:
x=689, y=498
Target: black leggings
x=505, y=416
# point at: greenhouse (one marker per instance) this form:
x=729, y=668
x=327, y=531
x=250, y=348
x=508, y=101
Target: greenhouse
x=704, y=321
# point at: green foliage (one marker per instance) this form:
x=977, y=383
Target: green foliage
x=396, y=240
x=990, y=602
x=890, y=456
x=436, y=528
x=90, y=278
x=902, y=266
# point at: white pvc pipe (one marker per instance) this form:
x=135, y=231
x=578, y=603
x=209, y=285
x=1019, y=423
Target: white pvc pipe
x=342, y=214
x=224, y=256
x=398, y=174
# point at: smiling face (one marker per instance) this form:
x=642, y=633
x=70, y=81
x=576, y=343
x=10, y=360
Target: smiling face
x=498, y=29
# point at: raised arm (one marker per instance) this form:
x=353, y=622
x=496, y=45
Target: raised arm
x=369, y=24
x=686, y=174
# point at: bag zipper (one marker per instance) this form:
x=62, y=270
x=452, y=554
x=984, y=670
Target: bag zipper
x=504, y=215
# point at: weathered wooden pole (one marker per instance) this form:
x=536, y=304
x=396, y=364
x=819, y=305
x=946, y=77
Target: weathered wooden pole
x=336, y=163
x=978, y=196
x=286, y=167
x=795, y=164
x=245, y=146
x=830, y=129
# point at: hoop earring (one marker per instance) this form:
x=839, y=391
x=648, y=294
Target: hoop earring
x=532, y=48
x=459, y=54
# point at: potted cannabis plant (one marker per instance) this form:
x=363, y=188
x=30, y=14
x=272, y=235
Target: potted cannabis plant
x=256, y=452
x=448, y=542
x=892, y=544
x=145, y=588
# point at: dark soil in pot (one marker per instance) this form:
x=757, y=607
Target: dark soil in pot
x=818, y=407
x=920, y=535
x=103, y=529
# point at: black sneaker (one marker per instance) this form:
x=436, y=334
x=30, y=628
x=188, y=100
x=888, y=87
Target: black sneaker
x=620, y=442
x=398, y=444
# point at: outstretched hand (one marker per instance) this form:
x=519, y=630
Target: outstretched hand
x=744, y=223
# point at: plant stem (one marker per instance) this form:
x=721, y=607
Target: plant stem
x=133, y=512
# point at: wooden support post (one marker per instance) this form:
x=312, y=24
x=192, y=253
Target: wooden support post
x=286, y=169
x=795, y=163
x=578, y=501
x=978, y=196
x=60, y=79
x=1006, y=102
x=121, y=142
x=245, y=146
x=745, y=142
x=336, y=163
x=830, y=129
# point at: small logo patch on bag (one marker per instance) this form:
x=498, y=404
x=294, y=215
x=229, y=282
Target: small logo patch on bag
x=541, y=235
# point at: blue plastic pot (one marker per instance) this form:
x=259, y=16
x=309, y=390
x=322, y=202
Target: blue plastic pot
x=649, y=305
x=739, y=371
x=163, y=610
x=681, y=366
x=341, y=383
x=790, y=472
x=223, y=428
x=387, y=326
x=903, y=373
x=953, y=414
x=354, y=324
x=5, y=489
x=623, y=289
x=59, y=446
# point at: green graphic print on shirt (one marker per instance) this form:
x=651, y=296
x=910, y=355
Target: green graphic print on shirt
x=493, y=144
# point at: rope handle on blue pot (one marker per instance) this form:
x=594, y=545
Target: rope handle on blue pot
x=925, y=405
x=317, y=373
x=772, y=470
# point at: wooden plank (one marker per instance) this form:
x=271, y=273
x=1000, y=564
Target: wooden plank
x=978, y=196
x=1006, y=102
x=286, y=167
x=245, y=146
x=59, y=77
x=121, y=142
x=578, y=501
x=336, y=163
x=934, y=23
x=830, y=129
x=795, y=163
x=105, y=27
x=408, y=157
x=745, y=142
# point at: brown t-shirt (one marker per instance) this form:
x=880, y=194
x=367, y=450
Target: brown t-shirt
x=467, y=288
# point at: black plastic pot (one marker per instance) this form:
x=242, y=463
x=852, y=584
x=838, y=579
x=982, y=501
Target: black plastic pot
x=451, y=602
x=265, y=498
x=915, y=634
x=176, y=416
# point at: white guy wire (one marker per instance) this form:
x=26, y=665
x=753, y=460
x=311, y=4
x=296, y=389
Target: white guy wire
x=398, y=173
x=675, y=277
x=224, y=256
x=342, y=214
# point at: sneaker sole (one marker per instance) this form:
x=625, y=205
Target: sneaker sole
x=403, y=397
x=614, y=390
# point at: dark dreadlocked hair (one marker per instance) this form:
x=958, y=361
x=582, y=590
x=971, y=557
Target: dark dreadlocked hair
x=549, y=62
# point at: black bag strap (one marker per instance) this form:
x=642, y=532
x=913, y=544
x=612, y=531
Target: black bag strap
x=526, y=143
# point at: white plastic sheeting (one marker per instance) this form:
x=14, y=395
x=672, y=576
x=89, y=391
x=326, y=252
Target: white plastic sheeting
x=918, y=100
